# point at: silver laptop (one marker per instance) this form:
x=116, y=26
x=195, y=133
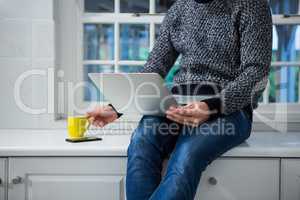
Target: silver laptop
x=143, y=93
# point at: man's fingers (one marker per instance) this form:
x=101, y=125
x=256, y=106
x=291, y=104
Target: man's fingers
x=175, y=116
x=98, y=124
x=89, y=114
x=104, y=113
x=188, y=113
x=95, y=123
x=198, y=111
x=101, y=124
x=192, y=114
x=91, y=119
x=189, y=106
x=183, y=119
x=107, y=113
x=175, y=119
x=94, y=114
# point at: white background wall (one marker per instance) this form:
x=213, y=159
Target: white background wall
x=26, y=42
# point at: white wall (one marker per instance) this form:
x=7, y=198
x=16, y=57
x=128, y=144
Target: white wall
x=26, y=43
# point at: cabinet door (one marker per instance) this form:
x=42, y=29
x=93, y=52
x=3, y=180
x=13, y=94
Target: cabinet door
x=240, y=179
x=2, y=178
x=66, y=178
x=290, y=179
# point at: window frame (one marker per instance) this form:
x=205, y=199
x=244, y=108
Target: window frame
x=291, y=118
x=117, y=18
x=152, y=19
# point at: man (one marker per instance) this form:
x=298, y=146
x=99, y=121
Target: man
x=226, y=46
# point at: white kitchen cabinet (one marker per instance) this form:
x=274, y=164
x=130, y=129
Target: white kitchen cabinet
x=62, y=178
x=290, y=179
x=241, y=179
x=94, y=178
x=2, y=178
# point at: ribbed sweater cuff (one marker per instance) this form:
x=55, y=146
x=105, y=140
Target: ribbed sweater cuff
x=214, y=105
x=119, y=114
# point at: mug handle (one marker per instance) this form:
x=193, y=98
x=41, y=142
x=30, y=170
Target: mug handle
x=87, y=125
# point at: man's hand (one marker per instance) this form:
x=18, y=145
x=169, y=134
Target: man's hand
x=102, y=115
x=192, y=114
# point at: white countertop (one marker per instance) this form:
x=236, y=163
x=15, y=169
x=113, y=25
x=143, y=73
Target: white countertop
x=52, y=143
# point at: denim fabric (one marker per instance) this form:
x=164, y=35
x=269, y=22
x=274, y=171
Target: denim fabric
x=190, y=150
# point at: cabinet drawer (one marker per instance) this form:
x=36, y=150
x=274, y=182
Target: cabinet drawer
x=290, y=179
x=67, y=178
x=2, y=178
x=240, y=179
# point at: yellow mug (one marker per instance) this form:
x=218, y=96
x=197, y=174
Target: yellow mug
x=77, y=126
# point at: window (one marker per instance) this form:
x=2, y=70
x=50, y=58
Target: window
x=281, y=99
x=117, y=36
x=137, y=24
x=284, y=77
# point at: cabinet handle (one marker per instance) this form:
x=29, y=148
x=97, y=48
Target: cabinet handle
x=1, y=181
x=212, y=181
x=17, y=180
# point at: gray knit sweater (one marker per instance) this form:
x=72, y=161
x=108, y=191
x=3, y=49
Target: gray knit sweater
x=225, y=42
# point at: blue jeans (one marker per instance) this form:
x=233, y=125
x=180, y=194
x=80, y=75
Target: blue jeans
x=190, y=150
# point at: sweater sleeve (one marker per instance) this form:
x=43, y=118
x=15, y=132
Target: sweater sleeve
x=163, y=55
x=255, y=53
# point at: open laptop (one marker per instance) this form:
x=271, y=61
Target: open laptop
x=143, y=93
